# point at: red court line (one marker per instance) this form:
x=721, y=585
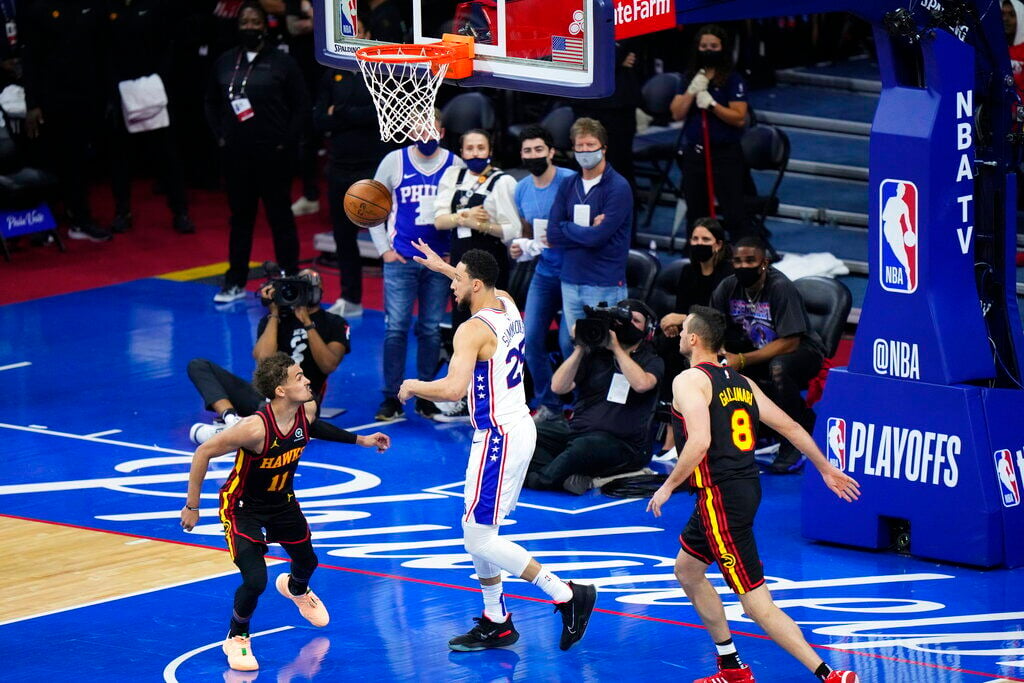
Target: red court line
x=427, y=582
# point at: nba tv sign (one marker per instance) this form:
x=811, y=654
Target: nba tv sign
x=637, y=17
x=898, y=236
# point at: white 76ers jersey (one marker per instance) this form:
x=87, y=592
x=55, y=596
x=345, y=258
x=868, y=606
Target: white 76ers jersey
x=496, y=397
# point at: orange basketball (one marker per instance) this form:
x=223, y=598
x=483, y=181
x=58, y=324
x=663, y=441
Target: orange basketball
x=367, y=203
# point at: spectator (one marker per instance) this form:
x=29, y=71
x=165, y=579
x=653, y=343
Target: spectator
x=719, y=117
x=535, y=195
x=591, y=220
x=769, y=339
x=610, y=428
x=412, y=174
x=10, y=49
x=64, y=98
x=255, y=104
x=710, y=263
x=382, y=20
x=139, y=45
x=345, y=114
x=1013, y=25
x=313, y=338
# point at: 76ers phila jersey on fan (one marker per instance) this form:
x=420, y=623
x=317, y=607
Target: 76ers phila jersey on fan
x=496, y=397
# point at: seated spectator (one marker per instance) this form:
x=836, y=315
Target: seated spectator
x=710, y=263
x=617, y=389
x=316, y=339
x=769, y=338
x=534, y=196
x=591, y=220
x=717, y=121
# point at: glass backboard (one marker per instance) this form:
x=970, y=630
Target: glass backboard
x=556, y=47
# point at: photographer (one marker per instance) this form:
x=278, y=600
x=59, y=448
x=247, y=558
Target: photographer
x=615, y=370
x=294, y=324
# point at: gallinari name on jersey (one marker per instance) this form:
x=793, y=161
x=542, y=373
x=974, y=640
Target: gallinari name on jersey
x=736, y=394
x=271, y=462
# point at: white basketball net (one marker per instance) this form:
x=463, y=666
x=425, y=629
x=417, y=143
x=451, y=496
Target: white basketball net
x=404, y=86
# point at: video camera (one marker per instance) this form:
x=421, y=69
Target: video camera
x=298, y=291
x=592, y=330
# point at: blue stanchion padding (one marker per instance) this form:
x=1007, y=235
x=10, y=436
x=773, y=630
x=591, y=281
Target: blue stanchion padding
x=920, y=453
x=1003, y=411
x=26, y=221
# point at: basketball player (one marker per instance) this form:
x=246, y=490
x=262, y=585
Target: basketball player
x=488, y=364
x=715, y=411
x=259, y=494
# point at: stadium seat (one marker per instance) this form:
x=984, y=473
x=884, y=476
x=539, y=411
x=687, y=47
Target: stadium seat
x=641, y=269
x=827, y=302
x=21, y=187
x=765, y=148
x=466, y=112
x=655, y=154
x=663, y=294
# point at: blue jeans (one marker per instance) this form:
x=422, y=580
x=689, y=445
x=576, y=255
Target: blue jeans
x=543, y=301
x=575, y=297
x=404, y=285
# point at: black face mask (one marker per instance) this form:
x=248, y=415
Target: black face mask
x=537, y=166
x=710, y=59
x=250, y=38
x=700, y=253
x=628, y=334
x=747, y=277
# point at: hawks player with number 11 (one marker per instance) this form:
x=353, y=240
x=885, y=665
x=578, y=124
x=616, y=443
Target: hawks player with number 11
x=715, y=412
x=259, y=494
x=488, y=364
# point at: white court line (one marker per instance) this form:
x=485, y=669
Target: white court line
x=171, y=669
x=382, y=423
x=106, y=433
x=12, y=366
x=443, y=490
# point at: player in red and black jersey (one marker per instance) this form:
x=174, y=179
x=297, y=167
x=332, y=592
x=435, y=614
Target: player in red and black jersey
x=716, y=411
x=259, y=495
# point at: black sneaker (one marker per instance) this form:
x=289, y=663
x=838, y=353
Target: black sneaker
x=576, y=613
x=485, y=635
x=389, y=409
x=122, y=223
x=578, y=484
x=427, y=409
x=788, y=461
x=89, y=231
x=183, y=225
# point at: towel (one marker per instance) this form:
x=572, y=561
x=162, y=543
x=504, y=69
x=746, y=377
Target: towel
x=144, y=104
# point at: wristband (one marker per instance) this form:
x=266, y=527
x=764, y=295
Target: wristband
x=743, y=362
x=189, y=507
x=311, y=326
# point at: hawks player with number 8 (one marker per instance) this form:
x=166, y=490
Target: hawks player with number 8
x=488, y=364
x=715, y=412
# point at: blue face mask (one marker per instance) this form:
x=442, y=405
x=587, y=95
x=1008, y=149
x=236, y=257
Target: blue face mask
x=477, y=165
x=588, y=160
x=427, y=147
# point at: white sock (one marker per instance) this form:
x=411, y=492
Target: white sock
x=552, y=585
x=494, y=603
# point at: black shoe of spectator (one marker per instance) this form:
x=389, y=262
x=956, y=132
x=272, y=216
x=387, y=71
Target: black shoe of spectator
x=89, y=231
x=390, y=409
x=578, y=484
x=122, y=223
x=788, y=461
x=427, y=409
x=183, y=224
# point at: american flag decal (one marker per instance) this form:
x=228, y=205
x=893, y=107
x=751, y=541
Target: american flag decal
x=567, y=50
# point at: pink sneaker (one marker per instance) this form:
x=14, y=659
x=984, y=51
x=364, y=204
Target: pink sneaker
x=838, y=676
x=309, y=605
x=239, y=652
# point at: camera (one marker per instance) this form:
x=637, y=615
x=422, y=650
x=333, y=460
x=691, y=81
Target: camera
x=299, y=291
x=592, y=330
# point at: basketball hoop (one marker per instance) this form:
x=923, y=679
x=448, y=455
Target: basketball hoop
x=404, y=80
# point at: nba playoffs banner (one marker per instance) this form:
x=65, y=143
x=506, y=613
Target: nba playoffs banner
x=26, y=221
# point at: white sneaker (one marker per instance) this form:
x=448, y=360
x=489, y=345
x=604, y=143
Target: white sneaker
x=229, y=294
x=201, y=432
x=231, y=418
x=305, y=207
x=346, y=309
x=239, y=652
x=459, y=412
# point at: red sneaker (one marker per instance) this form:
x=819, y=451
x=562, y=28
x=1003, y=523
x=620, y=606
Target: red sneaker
x=741, y=675
x=838, y=676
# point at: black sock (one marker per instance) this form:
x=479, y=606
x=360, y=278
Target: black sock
x=822, y=671
x=296, y=587
x=239, y=627
x=728, y=657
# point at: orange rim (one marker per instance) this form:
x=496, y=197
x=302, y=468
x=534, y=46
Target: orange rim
x=405, y=53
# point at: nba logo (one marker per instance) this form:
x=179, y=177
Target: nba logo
x=347, y=14
x=835, y=435
x=1007, y=474
x=898, y=236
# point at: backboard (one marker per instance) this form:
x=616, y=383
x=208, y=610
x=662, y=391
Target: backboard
x=555, y=47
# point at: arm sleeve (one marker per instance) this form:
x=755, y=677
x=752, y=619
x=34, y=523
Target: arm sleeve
x=617, y=209
x=445, y=192
x=328, y=432
x=388, y=172
x=502, y=205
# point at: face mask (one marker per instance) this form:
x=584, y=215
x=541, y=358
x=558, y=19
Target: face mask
x=709, y=59
x=588, y=160
x=747, y=277
x=628, y=334
x=537, y=166
x=427, y=147
x=251, y=38
x=701, y=252
x=477, y=165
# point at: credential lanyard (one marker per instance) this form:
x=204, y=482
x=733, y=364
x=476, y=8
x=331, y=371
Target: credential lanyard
x=245, y=78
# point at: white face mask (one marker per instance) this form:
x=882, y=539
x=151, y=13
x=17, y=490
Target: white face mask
x=588, y=160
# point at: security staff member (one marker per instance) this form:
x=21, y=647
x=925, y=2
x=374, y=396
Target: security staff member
x=255, y=104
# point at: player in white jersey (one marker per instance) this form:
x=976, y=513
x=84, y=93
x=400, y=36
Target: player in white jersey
x=488, y=365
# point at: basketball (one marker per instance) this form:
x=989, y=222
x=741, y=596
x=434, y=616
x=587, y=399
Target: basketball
x=367, y=203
